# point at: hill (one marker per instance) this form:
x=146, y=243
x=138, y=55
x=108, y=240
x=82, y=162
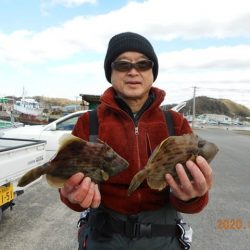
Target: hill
x=50, y=101
x=204, y=105
x=208, y=105
x=237, y=109
x=53, y=101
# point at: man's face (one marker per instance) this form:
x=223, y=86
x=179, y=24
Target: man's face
x=133, y=83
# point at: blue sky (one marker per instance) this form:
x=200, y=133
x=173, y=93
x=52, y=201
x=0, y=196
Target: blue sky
x=56, y=47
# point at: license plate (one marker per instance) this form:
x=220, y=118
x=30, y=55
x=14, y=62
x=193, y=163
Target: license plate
x=6, y=194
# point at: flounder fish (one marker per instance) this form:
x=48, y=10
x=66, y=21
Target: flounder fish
x=173, y=150
x=96, y=160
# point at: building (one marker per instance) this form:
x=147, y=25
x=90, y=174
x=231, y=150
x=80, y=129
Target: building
x=90, y=101
x=215, y=119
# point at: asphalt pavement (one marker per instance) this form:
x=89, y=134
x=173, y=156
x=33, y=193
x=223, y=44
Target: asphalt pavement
x=40, y=221
x=225, y=223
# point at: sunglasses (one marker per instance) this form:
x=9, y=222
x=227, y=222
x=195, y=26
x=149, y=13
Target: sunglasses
x=124, y=66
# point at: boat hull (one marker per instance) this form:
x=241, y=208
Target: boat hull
x=32, y=120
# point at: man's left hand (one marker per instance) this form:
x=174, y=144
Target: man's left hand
x=200, y=184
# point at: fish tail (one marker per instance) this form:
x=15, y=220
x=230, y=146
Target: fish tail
x=32, y=175
x=137, y=180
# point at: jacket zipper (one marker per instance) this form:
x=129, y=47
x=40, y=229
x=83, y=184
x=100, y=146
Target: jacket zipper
x=136, y=129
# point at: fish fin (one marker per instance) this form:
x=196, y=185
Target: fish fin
x=100, y=141
x=193, y=157
x=156, y=184
x=32, y=175
x=137, y=180
x=158, y=150
x=105, y=175
x=66, y=139
x=53, y=181
x=154, y=153
x=104, y=143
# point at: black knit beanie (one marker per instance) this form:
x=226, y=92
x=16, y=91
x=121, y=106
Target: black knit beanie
x=128, y=41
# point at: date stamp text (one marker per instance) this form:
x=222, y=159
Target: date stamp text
x=232, y=224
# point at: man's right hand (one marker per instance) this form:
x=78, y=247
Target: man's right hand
x=81, y=190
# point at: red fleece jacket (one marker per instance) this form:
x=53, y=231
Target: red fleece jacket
x=117, y=129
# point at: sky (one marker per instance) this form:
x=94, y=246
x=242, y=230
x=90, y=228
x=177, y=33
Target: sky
x=56, y=48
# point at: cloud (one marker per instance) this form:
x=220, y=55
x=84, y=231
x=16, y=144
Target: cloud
x=161, y=21
x=47, y=5
x=67, y=3
x=91, y=68
x=225, y=64
x=217, y=58
x=157, y=19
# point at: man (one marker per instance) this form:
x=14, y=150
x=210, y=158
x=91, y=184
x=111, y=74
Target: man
x=132, y=123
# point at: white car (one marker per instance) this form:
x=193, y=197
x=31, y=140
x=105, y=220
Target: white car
x=50, y=132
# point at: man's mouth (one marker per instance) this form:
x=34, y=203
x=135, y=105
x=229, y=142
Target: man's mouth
x=132, y=82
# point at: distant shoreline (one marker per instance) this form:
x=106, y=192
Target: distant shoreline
x=244, y=130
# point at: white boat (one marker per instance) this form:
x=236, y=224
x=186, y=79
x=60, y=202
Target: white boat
x=28, y=111
x=28, y=106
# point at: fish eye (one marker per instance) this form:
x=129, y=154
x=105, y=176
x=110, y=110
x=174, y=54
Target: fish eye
x=109, y=155
x=201, y=143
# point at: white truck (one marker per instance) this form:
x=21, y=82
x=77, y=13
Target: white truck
x=17, y=156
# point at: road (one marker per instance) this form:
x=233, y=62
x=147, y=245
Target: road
x=216, y=228
x=40, y=221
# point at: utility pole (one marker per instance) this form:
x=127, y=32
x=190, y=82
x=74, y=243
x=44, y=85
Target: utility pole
x=193, y=119
x=76, y=103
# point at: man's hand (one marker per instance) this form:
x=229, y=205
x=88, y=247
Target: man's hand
x=198, y=186
x=80, y=190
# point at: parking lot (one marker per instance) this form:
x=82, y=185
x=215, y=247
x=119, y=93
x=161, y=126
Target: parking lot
x=40, y=221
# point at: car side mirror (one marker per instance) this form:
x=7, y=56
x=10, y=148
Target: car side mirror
x=53, y=127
